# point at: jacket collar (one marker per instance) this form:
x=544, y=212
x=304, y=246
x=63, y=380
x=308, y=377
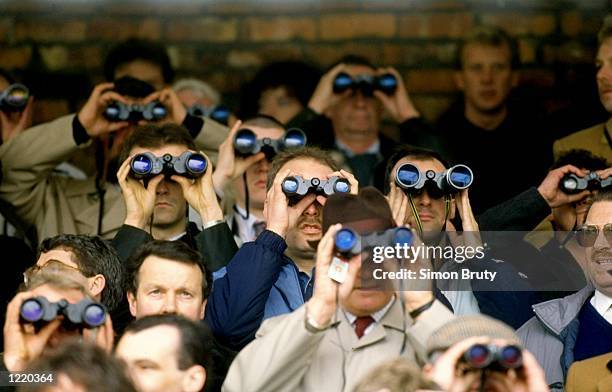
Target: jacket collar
x=557, y=314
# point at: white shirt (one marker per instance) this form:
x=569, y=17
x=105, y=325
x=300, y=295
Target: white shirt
x=603, y=305
x=373, y=149
x=246, y=231
x=377, y=316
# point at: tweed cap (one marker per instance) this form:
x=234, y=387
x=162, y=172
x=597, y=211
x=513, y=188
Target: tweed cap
x=464, y=327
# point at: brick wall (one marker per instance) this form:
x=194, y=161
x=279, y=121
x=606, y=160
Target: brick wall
x=224, y=42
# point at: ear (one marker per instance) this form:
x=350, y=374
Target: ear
x=194, y=379
x=459, y=81
x=96, y=285
x=132, y=301
x=203, y=309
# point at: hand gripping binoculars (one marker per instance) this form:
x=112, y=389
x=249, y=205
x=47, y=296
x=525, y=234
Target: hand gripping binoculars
x=119, y=111
x=219, y=113
x=481, y=356
x=188, y=164
x=296, y=187
x=572, y=184
x=14, y=98
x=84, y=314
x=246, y=142
x=387, y=83
x=411, y=180
x=349, y=243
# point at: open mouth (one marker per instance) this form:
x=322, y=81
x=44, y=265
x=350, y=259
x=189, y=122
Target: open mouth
x=310, y=228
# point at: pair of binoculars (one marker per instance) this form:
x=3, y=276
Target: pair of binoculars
x=84, y=314
x=367, y=84
x=119, y=111
x=572, y=184
x=410, y=179
x=296, y=187
x=481, y=356
x=188, y=164
x=246, y=142
x=348, y=243
x=219, y=113
x=14, y=98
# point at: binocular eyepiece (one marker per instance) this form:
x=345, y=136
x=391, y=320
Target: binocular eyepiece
x=219, y=113
x=119, y=111
x=83, y=314
x=349, y=243
x=481, y=356
x=412, y=180
x=296, y=187
x=14, y=98
x=367, y=84
x=188, y=164
x=572, y=184
x=246, y=142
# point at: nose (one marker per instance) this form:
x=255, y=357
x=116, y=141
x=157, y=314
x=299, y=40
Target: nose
x=487, y=75
x=359, y=100
x=162, y=187
x=424, y=199
x=314, y=209
x=263, y=166
x=604, y=74
x=169, y=304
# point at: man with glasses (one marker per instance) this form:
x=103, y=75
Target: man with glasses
x=578, y=326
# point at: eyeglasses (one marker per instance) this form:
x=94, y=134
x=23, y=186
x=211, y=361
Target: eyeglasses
x=586, y=235
x=51, y=265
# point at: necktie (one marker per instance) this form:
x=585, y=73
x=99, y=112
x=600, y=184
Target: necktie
x=361, y=324
x=259, y=227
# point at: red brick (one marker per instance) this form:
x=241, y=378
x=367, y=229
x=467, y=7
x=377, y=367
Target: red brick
x=419, y=54
x=420, y=5
x=571, y=23
x=244, y=59
x=431, y=106
x=325, y=55
x=183, y=57
x=15, y=57
x=436, y=25
x=206, y=29
x=430, y=81
x=357, y=25
x=521, y=23
x=120, y=29
x=280, y=29
x=527, y=51
x=270, y=53
x=49, y=30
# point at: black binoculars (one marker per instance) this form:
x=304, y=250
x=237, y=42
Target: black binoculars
x=387, y=83
x=411, y=180
x=296, y=187
x=572, y=184
x=188, y=164
x=14, y=98
x=219, y=113
x=481, y=356
x=348, y=243
x=246, y=142
x=119, y=111
x=84, y=314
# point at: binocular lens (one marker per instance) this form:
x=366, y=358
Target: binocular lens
x=345, y=240
x=17, y=96
x=94, y=315
x=220, y=113
x=294, y=138
x=342, y=82
x=290, y=185
x=478, y=356
x=245, y=139
x=408, y=175
x=570, y=184
x=342, y=187
x=403, y=236
x=196, y=163
x=141, y=164
x=460, y=177
x=511, y=357
x=112, y=111
x=387, y=83
x=159, y=111
x=31, y=310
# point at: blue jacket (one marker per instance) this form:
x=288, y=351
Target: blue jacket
x=258, y=283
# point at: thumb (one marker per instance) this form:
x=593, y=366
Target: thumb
x=45, y=332
x=154, y=182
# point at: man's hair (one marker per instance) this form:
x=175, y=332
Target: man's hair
x=603, y=195
x=55, y=280
x=490, y=36
x=354, y=59
x=195, y=345
x=312, y=153
x=156, y=136
x=263, y=121
x=135, y=49
x=398, y=375
x=201, y=88
x=416, y=153
x=86, y=365
x=581, y=159
x=298, y=78
x=93, y=256
x=172, y=250
x=606, y=30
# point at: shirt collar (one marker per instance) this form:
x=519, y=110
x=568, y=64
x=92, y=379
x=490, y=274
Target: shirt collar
x=245, y=226
x=177, y=237
x=601, y=302
x=373, y=149
x=377, y=316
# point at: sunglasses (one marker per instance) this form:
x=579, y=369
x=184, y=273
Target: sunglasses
x=586, y=235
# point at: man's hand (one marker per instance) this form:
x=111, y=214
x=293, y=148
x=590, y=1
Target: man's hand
x=91, y=115
x=322, y=306
x=549, y=188
x=139, y=201
x=201, y=195
x=12, y=124
x=103, y=336
x=21, y=347
x=324, y=96
x=229, y=166
x=279, y=215
x=174, y=106
x=471, y=232
x=398, y=201
x=399, y=105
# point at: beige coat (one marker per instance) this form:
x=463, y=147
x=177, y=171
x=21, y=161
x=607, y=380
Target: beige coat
x=590, y=139
x=285, y=356
x=57, y=204
x=590, y=375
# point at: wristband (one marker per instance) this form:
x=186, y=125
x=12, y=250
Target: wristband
x=417, y=312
